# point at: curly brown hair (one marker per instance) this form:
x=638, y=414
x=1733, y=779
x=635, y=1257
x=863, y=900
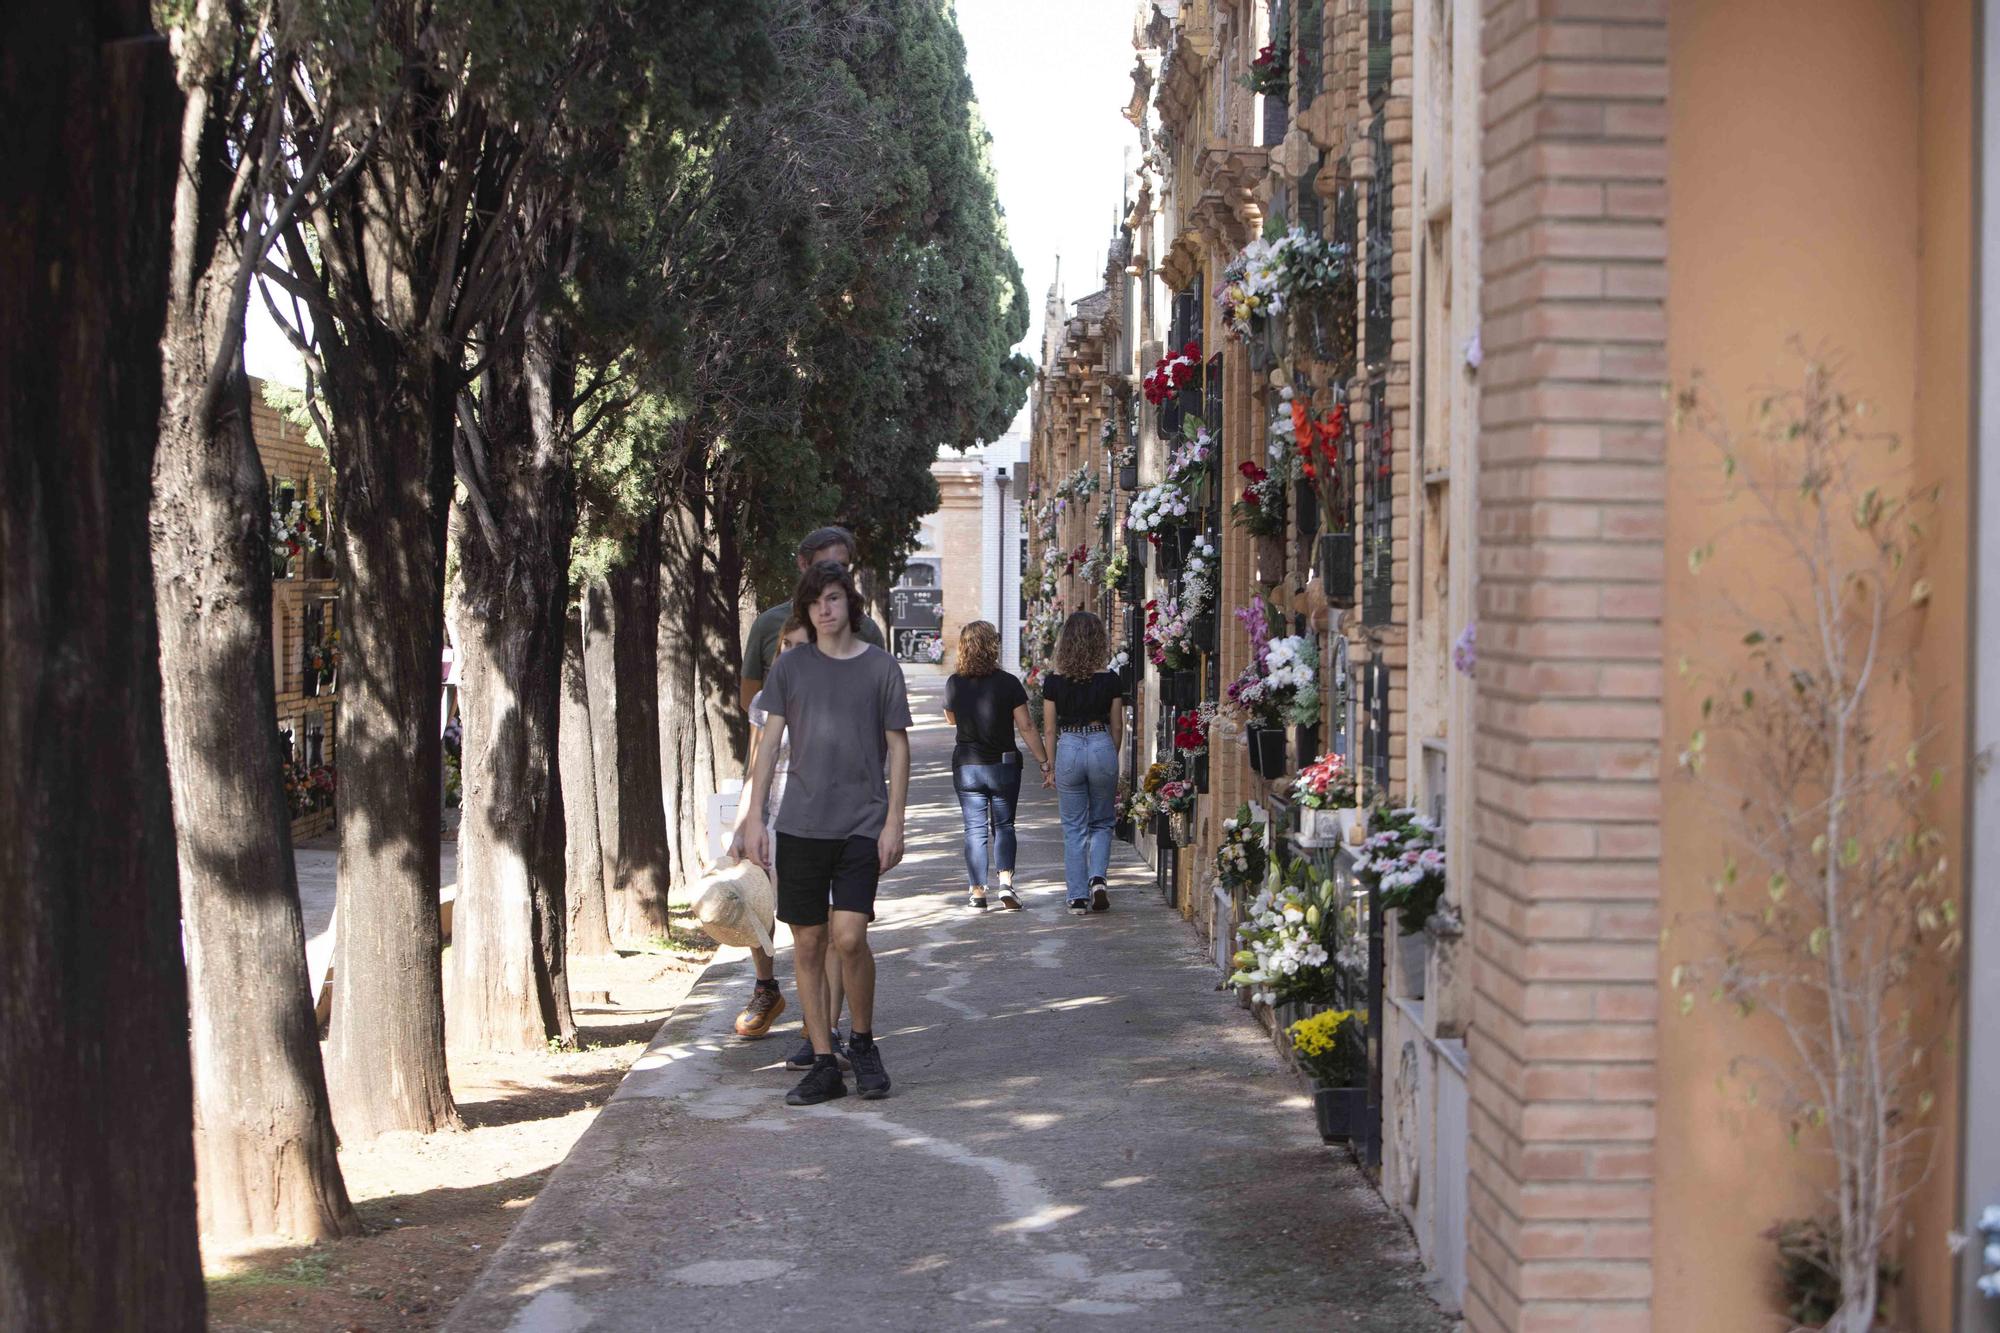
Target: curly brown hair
x=978, y=649
x=1081, y=649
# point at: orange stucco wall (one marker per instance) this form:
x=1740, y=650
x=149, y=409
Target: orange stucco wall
x=1819, y=189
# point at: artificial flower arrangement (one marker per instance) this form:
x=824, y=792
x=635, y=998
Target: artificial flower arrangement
x=1404, y=861
x=1116, y=564
x=1141, y=808
x=1281, y=684
x=1170, y=643
x=1176, y=796
x=1119, y=661
x=1260, y=510
x=1172, y=373
x=1270, y=72
x=1333, y=1046
x=1240, y=857
x=1156, y=507
x=1325, y=784
x=1284, y=956
x=1189, y=462
x=323, y=660
x=1079, y=485
x=1253, y=287
x=294, y=529
x=1095, y=563
x=1318, y=442
x=1191, y=732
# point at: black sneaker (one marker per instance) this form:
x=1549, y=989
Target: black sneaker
x=1100, y=897
x=1009, y=899
x=976, y=902
x=871, y=1080
x=822, y=1083
x=802, y=1058
x=1079, y=907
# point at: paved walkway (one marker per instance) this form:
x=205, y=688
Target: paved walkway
x=1084, y=1133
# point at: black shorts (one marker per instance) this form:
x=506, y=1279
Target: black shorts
x=816, y=875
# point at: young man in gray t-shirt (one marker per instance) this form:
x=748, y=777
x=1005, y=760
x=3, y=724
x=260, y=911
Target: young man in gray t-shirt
x=846, y=710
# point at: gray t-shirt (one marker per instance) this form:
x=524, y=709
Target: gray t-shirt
x=761, y=645
x=836, y=712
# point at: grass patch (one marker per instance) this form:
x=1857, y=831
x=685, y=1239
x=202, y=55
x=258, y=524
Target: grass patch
x=309, y=1268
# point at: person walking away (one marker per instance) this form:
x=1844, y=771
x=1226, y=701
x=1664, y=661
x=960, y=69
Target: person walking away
x=845, y=707
x=1083, y=714
x=761, y=647
x=767, y=1002
x=987, y=705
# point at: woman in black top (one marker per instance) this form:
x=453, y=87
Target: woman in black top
x=1085, y=704
x=986, y=704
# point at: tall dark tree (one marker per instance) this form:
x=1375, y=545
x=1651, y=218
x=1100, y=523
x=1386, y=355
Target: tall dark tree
x=639, y=70
x=264, y=1141
x=96, y=1135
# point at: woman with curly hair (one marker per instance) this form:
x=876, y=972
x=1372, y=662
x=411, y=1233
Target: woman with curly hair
x=1083, y=705
x=987, y=705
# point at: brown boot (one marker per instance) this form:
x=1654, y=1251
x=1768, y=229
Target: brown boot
x=766, y=1003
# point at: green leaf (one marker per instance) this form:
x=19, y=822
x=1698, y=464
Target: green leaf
x=1850, y=852
x=1753, y=638
x=1776, y=887
x=1816, y=942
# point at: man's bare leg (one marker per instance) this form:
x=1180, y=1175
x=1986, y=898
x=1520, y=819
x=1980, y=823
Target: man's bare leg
x=809, y=948
x=855, y=962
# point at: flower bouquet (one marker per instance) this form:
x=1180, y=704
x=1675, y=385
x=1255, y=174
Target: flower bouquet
x=1172, y=373
x=1260, y=510
x=1270, y=72
x=1404, y=861
x=1326, y=794
x=1240, y=858
x=1289, y=937
x=1332, y=1047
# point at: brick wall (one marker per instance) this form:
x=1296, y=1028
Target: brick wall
x=1571, y=509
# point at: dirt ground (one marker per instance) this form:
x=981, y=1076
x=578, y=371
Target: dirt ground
x=436, y=1207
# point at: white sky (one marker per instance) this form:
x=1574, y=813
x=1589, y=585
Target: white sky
x=1052, y=77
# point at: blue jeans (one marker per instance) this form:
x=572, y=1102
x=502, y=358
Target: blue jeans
x=1087, y=790
x=986, y=796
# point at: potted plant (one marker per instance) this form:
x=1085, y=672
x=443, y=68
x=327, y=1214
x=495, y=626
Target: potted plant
x=1329, y=809
x=1332, y=1047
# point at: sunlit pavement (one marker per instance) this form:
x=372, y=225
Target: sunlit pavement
x=1083, y=1133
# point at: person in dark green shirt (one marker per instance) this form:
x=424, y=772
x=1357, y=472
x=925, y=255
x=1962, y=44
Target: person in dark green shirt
x=760, y=650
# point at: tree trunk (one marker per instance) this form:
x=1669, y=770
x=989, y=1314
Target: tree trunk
x=509, y=974
x=392, y=420
x=264, y=1142
x=703, y=733
x=621, y=657
x=584, y=869
x=96, y=1133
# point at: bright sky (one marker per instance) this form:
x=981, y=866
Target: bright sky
x=1052, y=77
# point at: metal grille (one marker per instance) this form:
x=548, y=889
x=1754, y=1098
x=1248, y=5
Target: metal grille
x=1377, y=747
x=1380, y=45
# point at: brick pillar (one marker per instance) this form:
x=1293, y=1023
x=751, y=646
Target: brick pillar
x=1571, y=513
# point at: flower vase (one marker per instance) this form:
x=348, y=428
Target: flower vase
x=1270, y=561
x=1258, y=347
x=1353, y=825
x=281, y=565
x=1336, y=568
x=1342, y=1113
x=1163, y=830
x=1128, y=476
x=1412, y=952
x=1319, y=828
x=1267, y=751
x=1170, y=418
x=1202, y=630
x=1175, y=539
x=1181, y=827
x=1124, y=830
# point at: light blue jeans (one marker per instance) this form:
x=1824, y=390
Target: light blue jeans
x=1087, y=789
